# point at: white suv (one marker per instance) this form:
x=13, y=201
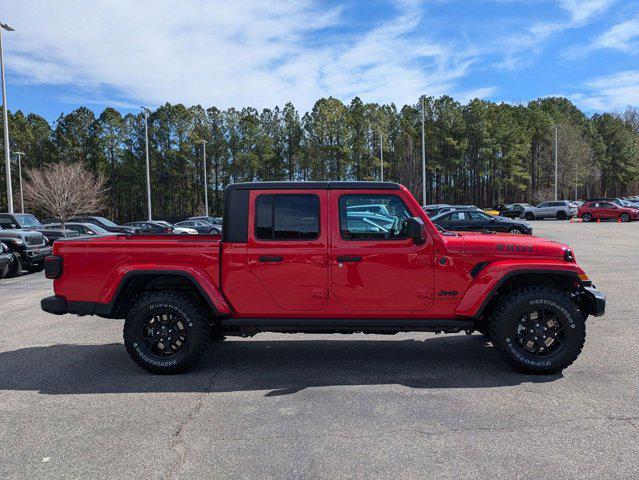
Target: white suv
x=561, y=210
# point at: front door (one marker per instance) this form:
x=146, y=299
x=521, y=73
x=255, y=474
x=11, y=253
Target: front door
x=287, y=248
x=373, y=265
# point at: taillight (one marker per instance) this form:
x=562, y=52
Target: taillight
x=52, y=267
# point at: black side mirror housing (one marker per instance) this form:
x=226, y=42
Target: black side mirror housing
x=415, y=229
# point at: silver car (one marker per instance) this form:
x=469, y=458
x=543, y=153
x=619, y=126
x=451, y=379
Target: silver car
x=560, y=209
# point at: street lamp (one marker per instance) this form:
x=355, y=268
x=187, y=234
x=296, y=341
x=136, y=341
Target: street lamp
x=148, y=172
x=381, y=152
x=423, y=156
x=7, y=155
x=556, y=162
x=19, y=155
x=206, y=185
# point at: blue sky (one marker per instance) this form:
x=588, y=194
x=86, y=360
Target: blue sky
x=264, y=53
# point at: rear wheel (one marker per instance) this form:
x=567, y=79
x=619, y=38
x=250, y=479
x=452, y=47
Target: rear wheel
x=586, y=217
x=624, y=217
x=538, y=330
x=165, y=332
x=529, y=216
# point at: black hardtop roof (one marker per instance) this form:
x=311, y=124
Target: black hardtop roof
x=314, y=186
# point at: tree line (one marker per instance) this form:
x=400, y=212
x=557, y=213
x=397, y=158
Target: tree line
x=480, y=153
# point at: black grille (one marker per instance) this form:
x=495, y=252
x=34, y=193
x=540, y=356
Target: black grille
x=34, y=239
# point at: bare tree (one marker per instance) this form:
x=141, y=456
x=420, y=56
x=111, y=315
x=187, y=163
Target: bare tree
x=64, y=190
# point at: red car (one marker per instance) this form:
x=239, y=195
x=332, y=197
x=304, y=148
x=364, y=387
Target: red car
x=604, y=210
x=309, y=257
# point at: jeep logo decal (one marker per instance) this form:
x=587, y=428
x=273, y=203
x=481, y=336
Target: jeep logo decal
x=447, y=293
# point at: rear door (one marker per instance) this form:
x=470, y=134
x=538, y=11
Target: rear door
x=373, y=265
x=287, y=247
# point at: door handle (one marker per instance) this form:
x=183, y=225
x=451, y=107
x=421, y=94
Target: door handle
x=275, y=258
x=342, y=259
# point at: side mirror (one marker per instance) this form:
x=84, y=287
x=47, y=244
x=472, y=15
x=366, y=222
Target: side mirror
x=415, y=229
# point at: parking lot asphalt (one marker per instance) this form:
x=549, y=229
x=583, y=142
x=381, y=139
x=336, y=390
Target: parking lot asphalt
x=73, y=405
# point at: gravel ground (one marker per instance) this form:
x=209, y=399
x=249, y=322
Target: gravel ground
x=73, y=405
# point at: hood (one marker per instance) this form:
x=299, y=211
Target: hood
x=505, y=244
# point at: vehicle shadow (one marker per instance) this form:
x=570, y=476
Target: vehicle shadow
x=278, y=367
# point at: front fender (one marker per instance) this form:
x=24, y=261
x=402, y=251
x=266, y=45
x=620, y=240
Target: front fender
x=491, y=277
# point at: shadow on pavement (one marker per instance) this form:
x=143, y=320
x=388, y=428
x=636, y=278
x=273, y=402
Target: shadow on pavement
x=279, y=367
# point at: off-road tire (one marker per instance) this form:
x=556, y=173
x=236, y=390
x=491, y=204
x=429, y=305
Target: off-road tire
x=624, y=217
x=198, y=332
x=529, y=216
x=561, y=215
x=16, y=267
x=587, y=217
x=3, y=271
x=512, y=307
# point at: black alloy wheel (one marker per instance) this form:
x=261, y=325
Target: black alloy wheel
x=539, y=332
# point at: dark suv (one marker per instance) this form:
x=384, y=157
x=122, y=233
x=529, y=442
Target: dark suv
x=26, y=221
x=29, y=249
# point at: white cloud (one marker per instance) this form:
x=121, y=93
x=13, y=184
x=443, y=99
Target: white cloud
x=620, y=36
x=245, y=52
x=582, y=10
x=519, y=50
x=609, y=92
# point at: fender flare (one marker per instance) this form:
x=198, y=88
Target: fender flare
x=495, y=274
x=209, y=291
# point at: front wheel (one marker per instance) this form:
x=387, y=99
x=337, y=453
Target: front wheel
x=16, y=266
x=538, y=330
x=561, y=215
x=624, y=217
x=165, y=332
x=515, y=231
x=586, y=217
x=529, y=216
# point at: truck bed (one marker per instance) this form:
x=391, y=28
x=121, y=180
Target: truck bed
x=94, y=267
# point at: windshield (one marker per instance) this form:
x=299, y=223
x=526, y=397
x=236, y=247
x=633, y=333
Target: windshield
x=28, y=221
x=108, y=223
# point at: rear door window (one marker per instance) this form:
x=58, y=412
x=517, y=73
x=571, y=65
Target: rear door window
x=287, y=217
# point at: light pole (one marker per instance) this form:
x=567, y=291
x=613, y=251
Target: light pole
x=381, y=152
x=206, y=185
x=148, y=172
x=423, y=156
x=7, y=155
x=556, y=163
x=19, y=155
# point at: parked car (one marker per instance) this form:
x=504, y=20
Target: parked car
x=29, y=249
x=106, y=224
x=6, y=260
x=212, y=220
x=475, y=221
x=376, y=208
x=83, y=229
x=178, y=230
x=26, y=221
x=512, y=210
x=149, y=228
x=288, y=262
x=604, y=210
x=202, y=227
x=560, y=209
x=434, y=209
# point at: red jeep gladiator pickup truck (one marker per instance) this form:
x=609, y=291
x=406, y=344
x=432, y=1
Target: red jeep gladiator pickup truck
x=327, y=257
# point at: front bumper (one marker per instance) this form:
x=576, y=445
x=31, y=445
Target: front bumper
x=596, y=301
x=35, y=255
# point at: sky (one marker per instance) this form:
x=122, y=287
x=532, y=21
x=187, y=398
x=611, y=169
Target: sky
x=262, y=53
